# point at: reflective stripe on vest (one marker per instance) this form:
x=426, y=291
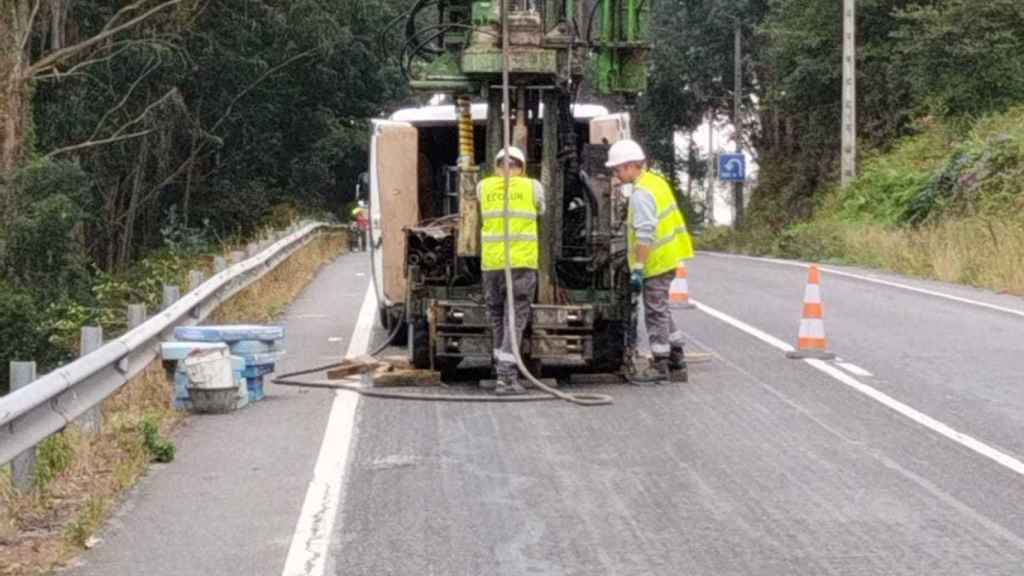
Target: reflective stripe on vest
x=672, y=242
x=522, y=223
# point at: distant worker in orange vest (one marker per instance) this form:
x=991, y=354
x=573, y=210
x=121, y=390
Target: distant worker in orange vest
x=657, y=241
x=362, y=217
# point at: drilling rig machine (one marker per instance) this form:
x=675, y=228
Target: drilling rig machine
x=425, y=165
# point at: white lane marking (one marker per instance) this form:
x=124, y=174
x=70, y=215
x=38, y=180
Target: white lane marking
x=874, y=280
x=736, y=323
x=307, y=555
x=923, y=419
x=854, y=369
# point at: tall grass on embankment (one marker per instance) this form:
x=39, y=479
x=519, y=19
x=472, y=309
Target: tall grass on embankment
x=946, y=203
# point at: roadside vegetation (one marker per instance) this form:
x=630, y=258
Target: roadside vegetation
x=940, y=123
x=945, y=203
x=137, y=138
x=81, y=478
x=42, y=307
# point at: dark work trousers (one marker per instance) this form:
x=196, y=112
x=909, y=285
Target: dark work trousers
x=661, y=327
x=524, y=288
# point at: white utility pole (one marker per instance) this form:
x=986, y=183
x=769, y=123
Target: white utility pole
x=849, y=92
x=709, y=192
x=737, y=94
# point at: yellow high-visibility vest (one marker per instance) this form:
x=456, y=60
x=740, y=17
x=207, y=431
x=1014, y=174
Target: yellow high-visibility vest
x=522, y=223
x=672, y=241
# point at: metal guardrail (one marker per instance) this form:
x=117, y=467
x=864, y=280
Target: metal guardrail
x=32, y=413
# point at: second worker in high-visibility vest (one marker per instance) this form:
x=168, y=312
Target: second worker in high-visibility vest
x=657, y=242
x=525, y=205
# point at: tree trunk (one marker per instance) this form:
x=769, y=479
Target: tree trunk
x=689, y=166
x=15, y=98
x=128, y=231
x=59, y=23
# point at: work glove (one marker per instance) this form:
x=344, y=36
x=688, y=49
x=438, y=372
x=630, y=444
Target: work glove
x=636, y=279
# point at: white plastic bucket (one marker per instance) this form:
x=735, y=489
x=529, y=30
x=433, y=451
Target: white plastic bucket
x=209, y=370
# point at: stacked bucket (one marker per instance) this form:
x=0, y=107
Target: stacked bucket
x=252, y=351
x=178, y=352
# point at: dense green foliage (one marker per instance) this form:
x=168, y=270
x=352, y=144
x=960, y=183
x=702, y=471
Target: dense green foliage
x=206, y=121
x=691, y=78
x=947, y=58
x=942, y=173
x=945, y=203
x=962, y=57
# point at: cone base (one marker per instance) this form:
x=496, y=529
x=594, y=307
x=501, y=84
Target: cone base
x=815, y=354
x=681, y=305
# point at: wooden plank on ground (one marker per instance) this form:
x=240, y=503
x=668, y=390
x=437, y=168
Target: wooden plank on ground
x=354, y=367
x=698, y=357
x=398, y=362
x=396, y=378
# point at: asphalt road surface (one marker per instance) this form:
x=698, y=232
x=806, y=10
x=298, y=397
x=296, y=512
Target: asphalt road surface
x=903, y=457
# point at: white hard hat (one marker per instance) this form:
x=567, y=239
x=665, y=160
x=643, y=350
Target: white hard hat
x=513, y=152
x=624, y=151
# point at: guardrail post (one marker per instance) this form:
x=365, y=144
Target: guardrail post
x=23, y=467
x=92, y=421
x=171, y=295
x=237, y=256
x=136, y=315
x=219, y=264
x=195, y=279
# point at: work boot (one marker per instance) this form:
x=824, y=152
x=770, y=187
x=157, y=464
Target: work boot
x=649, y=374
x=677, y=364
x=663, y=367
x=508, y=385
x=677, y=358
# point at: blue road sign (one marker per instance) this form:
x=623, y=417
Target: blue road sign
x=732, y=167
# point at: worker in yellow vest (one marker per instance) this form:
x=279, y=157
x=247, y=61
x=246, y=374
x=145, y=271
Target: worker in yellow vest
x=525, y=205
x=657, y=242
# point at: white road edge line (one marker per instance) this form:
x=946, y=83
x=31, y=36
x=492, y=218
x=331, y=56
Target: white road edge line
x=889, y=283
x=923, y=419
x=854, y=369
x=307, y=555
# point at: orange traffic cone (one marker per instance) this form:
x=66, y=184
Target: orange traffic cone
x=678, y=291
x=811, y=342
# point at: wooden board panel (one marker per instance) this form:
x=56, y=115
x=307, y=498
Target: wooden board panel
x=609, y=129
x=397, y=156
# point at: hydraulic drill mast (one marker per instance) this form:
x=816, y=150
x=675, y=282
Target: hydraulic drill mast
x=453, y=47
